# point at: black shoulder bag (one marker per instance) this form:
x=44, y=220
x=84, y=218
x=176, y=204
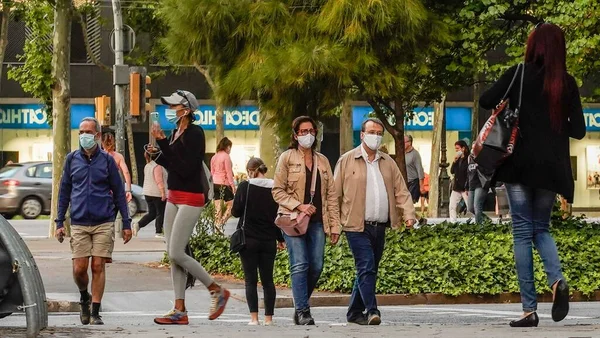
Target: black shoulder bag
x=238, y=239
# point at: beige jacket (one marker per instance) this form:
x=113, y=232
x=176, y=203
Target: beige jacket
x=290, y=180
x=351, y=181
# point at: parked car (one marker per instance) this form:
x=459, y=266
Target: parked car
x=26, y=190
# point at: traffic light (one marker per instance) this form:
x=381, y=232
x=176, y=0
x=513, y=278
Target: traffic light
x=102, y=104
x=139, y=94
x=136, y=96
x=147, y=96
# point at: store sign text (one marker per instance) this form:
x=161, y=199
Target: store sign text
x=32, y=116
x=592, y=119
x=235, y=118
x=23, y=116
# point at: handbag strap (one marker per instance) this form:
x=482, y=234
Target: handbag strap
x=513, y=81
x=521, y=89
x=246, y=205
x=315, y=172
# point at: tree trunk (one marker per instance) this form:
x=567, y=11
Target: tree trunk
x=4, y=32
x=346, y=132
x=61, y=99
x=267, y=141
x=220, y=121
x=131, y=146
x=399, y=138
x=475, y=110
x=434, y=169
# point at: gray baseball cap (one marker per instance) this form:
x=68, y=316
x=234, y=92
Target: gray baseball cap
x=183, y=97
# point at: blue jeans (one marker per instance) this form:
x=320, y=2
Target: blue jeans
x=367, y=249
x=306, y=254
x=530, y=211
x=476, y=200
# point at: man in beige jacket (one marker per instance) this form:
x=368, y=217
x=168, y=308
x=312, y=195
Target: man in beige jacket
x=372, y=195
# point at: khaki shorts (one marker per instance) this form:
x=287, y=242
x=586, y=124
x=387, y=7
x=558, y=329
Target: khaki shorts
x=95, y=241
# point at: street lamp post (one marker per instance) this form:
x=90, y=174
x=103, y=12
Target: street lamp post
x=444, y=178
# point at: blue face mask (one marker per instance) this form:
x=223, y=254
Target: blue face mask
x=87, y=141
x=171, y=115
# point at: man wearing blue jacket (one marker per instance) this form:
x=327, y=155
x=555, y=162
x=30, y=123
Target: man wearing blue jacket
x=91, y=184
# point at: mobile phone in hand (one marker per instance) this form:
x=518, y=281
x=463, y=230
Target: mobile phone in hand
x=154, y=117
x=61, y=237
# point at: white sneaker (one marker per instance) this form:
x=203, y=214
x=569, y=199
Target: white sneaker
x=269, y=323
x=159, y=236
x=253, y=323
x=136, y=228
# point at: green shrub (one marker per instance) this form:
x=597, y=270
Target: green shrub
x=452, y=259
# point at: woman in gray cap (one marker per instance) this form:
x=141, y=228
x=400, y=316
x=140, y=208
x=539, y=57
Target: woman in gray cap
x=183, y=156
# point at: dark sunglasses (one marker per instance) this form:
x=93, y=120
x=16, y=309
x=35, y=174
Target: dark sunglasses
x=182, y=94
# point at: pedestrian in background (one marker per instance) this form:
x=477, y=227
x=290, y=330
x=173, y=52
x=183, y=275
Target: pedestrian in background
x=292, y=191
x=221, y=169
x=183, y=156
x=414, y=169
x=477, y=193
x=256, y=208
x=540, y=166
x=92, y=186
x=155, y=193
x=372, y=196
x=459, y=169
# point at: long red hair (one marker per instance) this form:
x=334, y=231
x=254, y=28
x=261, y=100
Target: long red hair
x=546, y=47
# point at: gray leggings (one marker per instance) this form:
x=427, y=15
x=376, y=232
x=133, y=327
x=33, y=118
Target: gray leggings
x=179, y=224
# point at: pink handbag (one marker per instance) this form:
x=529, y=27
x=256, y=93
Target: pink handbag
x=296, y=223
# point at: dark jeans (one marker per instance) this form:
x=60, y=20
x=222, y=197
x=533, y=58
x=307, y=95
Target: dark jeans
x=530, y=211
x=156, y=210
x=259, y=255
x=367, y=249
x=476, y=200
x=306, y=256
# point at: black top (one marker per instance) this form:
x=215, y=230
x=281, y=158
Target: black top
x=317, y=201
x=459, y=169
x=474, y=181
x=184, y=160
x=261, y=209
x=541, y=158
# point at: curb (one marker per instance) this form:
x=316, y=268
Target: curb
x=62, y=306
x=421, y=299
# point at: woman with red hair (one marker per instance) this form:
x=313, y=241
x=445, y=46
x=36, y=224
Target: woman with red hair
x=540, y=166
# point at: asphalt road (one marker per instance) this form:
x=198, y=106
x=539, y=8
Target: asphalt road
x=409, y=321
x=136, y=293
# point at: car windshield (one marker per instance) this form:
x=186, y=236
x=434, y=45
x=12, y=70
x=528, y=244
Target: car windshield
x=8, y=171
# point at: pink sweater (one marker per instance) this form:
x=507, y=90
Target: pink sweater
x=221, y=169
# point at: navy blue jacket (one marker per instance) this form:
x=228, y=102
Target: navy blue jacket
x=94, y=189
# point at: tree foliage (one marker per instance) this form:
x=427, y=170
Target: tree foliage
x=505, y=25
x=35, y=75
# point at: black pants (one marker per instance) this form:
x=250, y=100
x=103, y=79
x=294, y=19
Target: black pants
x=259, y=255
x=415, y=190
x=156, y=210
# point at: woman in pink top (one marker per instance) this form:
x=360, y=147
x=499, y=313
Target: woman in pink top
x=221, y=169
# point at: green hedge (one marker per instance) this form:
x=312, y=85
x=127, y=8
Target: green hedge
x=452, y=259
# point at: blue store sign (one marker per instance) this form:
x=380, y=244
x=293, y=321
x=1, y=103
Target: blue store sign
x=457, y=119
x=31, y=116
x=592, y=119
x=236, y=118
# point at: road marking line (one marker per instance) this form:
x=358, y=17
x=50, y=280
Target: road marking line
x=496, y=312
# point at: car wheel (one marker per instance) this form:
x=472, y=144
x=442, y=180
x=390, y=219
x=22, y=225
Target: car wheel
x=31, y=208
x=133, y=208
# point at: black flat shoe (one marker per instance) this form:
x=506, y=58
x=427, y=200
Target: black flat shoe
x=560, y=306
x=532, y=320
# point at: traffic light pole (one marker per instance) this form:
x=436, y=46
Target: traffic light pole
x=119, y=87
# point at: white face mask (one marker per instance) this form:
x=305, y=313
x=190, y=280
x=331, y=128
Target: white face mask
x=372, y=141
x=306, y=141
x=459, y=153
